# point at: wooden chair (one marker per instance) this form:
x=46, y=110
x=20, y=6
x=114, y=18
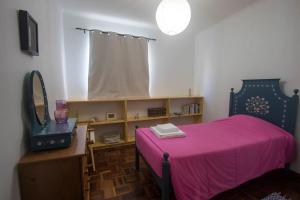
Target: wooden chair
x=91, y=141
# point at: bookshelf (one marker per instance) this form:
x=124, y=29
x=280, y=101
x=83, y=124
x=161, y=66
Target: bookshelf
x=131, y=112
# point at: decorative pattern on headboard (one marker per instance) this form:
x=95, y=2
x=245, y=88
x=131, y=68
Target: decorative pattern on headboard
x=263, y=98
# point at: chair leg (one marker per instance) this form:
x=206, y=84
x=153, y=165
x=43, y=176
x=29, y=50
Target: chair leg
x=92, y=158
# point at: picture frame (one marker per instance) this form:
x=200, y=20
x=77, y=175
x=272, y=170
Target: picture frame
x=111, y=116
x=28, y=29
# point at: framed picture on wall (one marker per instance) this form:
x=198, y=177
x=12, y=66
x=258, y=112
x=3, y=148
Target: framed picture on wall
x=28, y=29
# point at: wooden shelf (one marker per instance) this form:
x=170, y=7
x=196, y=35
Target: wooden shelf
x=146, y=118
x=93, y=101
x=98, y=123
x=131, y=139
x=186, y=97
x=186, y=115
x=101, y=145
x=146, y=98
x=73, y=101
x=125, y=108
x=107, y=122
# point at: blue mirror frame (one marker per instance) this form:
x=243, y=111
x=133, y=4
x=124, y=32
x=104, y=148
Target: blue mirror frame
x=36, y=124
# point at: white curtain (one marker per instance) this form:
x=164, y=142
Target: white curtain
x=118, y=66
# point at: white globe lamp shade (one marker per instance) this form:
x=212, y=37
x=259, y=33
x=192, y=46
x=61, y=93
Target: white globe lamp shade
x=173, y=16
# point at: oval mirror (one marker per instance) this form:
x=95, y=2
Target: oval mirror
x=38, y=98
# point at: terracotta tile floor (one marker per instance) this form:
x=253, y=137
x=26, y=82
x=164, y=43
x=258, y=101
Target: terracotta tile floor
x=116, y=179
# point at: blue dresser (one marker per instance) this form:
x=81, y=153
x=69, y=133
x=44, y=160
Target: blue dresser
x=53, y=136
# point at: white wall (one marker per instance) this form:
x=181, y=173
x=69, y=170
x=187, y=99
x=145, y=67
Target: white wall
x=13, y=66
x=261, y=41
x=170, y=58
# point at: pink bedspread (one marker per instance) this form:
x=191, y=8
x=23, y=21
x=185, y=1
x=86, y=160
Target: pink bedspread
x=219, y=155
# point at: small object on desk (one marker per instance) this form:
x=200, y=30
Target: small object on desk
x=61, y=112
x=136, y=116
x=61, y=105
x=93, y=120
x=190, y=92
x=111, y=116
x=61, y=116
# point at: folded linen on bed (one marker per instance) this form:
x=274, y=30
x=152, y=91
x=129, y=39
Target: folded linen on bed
x=167, y=128
x=167, y=131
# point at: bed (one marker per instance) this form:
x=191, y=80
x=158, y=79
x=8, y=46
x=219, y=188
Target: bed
x=257, y=137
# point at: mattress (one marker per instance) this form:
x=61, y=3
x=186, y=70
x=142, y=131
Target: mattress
x=219, y=155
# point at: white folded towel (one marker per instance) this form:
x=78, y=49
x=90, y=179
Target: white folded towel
x=167, y=128
x=167, y=131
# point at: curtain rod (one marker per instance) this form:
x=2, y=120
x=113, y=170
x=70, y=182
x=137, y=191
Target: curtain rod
x=120, y=34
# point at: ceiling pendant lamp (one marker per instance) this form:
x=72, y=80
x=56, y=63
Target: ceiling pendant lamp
x=173, y=16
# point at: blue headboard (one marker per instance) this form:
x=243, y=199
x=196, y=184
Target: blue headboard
x=264, y=99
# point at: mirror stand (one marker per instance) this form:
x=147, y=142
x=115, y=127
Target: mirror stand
x=44, y=132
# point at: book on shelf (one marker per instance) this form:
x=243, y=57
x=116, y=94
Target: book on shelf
x=156, y=112
x=111, y=137
x=193, y=108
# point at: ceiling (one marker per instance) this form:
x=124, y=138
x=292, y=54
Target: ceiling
x=141, y=13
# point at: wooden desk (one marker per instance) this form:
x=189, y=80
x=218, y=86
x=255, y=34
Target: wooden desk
x=56, y=174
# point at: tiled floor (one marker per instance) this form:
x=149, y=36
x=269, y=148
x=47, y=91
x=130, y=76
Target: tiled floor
x=116, y=179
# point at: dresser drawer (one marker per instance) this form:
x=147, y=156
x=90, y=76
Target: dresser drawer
x=55, y=174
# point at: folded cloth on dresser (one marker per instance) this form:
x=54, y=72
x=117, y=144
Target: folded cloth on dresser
x=167, y=131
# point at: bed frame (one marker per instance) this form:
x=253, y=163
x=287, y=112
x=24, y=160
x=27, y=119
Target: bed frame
x=261, y=98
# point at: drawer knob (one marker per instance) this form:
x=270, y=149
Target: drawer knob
x=39, y=143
